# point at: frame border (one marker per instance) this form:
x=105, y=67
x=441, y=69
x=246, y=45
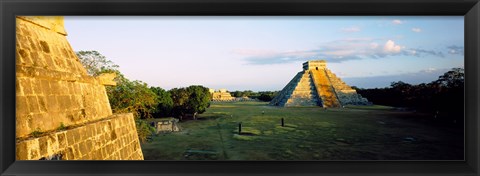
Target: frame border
x=470, y=9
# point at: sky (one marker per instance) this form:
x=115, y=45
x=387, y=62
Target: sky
x=265, y=53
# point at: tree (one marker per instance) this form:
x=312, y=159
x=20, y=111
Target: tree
x=454, y=78
x=237, y=93
x=199, y=100
x=179, y=98
x=245, y=93
x=127, y=96
x=267, y=95
x=191, y=100
x=95, y=63
x=133, y=96
x=165, y=102
x=445, y=96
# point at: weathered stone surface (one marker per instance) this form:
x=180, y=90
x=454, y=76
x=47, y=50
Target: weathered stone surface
x=107, y=79
x=59, y=108
x=316, y=85
x=167, y=125
x=74, y=145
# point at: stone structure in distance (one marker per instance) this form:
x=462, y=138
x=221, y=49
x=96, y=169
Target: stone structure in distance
x=221, y=95
x=316, y=85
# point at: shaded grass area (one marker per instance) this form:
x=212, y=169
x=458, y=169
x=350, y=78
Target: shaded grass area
x=313, y=133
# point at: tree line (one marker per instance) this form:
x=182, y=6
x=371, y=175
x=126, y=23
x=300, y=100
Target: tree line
x=443, y=98
x=261, y=95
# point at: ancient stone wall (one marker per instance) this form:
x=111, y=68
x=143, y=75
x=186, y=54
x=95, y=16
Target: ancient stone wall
x=53, y=90
x=52, y=85
x=113, y=138
x=167, y=125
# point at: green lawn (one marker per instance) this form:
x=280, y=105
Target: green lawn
x=310, y=133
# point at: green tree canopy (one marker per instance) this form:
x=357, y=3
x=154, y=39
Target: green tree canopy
x=191, y=100
x=165, y=102
x=133, y=96
x=95, y=63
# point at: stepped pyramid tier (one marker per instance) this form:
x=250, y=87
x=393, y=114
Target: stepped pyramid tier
x=316, y=85
x=221, y=95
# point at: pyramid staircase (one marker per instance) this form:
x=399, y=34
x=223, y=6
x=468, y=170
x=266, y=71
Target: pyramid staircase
x=300, y=91
x=325, y=88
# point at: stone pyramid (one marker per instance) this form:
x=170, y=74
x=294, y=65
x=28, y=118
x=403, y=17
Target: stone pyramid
x=316, y=85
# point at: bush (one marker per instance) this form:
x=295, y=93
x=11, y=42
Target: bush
x=144, y=130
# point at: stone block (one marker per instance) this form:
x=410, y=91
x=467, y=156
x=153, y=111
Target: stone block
x=22, y=128
x=69, y=153
x=77, y=153
x=43, y=146
x=42, y=103
x=53, y=146
x=34, y=153
x=70, y=137
x=83, y=148
x=45, y=86
x=64, y=101
x=21, y=151
x=52, y=103
x=62, y=139
x=94, y=155
x=47, y=121
x=26, y=86
x=22, y=105
x=18, y=88
x=77, y=135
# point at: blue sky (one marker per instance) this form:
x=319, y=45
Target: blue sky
x=265, y=53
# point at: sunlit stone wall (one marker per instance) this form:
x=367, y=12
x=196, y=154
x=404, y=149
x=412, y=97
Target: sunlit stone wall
x=54, y=92
x=113, y=138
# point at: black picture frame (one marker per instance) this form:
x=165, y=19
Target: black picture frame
x=470, y=9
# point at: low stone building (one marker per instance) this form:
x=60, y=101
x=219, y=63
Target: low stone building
x=221, y=95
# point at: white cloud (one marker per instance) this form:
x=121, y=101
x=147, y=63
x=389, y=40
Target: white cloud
x=397, y=22
x=338, y=51
x=390, y=47
x=429, y=70
x=416, y=30
x=351, y=29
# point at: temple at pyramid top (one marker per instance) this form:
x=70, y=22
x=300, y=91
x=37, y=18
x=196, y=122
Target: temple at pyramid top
x=315, y=64
x=316, y=85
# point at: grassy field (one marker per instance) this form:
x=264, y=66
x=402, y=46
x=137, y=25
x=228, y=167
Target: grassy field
x=310, y=133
